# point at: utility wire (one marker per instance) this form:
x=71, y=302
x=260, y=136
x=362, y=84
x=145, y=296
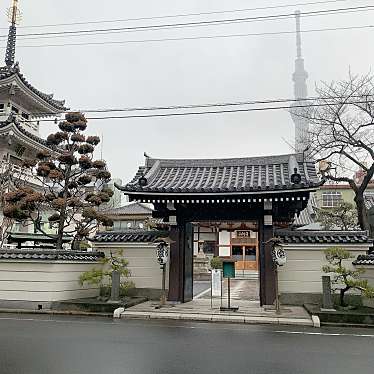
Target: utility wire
x=168, y=28
x=183, y=14
x=193, y=24
x=206, y=105
x=176, y=114
x=276, y=33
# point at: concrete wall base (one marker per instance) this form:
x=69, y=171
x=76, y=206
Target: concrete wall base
x=24, y=304
x=315, y=298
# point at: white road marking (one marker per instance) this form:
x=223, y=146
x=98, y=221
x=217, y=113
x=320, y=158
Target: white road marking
x=324, y=333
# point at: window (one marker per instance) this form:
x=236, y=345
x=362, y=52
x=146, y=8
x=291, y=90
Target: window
x=331, y=199
x=237, y=253
x=141, y=225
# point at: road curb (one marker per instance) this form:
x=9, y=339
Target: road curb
x=242, y=319
x=55, y=312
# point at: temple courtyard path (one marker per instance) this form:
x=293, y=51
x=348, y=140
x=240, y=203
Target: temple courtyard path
x=32, y=344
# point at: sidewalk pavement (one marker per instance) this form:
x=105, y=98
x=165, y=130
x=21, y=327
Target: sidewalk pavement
x=200, y=310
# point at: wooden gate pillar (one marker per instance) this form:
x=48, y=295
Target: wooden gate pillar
x=267, y=271
x=176, y=265
x=181, y=263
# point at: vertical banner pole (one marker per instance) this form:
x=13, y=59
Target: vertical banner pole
x=277, y=303
x=228, y=293
x=221, y=288
x=211, y=289
x=163, y=295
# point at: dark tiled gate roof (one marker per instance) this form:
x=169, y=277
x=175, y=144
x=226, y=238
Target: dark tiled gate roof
x=236, y=175
x=129, y=236
x=323, y=237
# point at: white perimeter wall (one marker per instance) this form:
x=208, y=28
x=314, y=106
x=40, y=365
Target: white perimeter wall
x=145, y=270
x=303, y=270
x=43, y=281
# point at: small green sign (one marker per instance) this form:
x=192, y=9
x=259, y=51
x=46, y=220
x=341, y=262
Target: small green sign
x=229, y=269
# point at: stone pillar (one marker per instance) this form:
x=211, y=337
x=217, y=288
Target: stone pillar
x=327, y=301
x=116, y=284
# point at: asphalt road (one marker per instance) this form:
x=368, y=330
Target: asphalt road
x=65, y=345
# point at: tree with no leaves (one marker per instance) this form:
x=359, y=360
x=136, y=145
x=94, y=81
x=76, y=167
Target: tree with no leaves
x=73, y=184
x=342, y=134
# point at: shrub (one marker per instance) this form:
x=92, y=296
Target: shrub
x=345, y=279
x=216, y=263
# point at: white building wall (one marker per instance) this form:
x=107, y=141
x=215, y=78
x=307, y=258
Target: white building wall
x=43, y=281
x=145, y=270
x=303, y=270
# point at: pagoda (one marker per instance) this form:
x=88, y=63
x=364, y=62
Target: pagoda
x=22, y=105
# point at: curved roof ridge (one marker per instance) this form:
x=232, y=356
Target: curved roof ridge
x=27, y=133
x=260, y=159
x=7, y=72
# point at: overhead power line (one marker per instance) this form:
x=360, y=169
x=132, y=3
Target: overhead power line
x=207, y=105
x=166, y=28
x=300, y=4
x=276, y=33
x=226, y=111
x=193, y=24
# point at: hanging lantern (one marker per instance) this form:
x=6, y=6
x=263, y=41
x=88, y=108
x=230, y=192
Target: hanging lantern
x=162, y=253
x=279, y=255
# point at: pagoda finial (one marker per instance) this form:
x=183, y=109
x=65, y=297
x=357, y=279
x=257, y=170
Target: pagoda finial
x=14, y=16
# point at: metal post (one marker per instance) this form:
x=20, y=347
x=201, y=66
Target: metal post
x=228, y=293
x=163, y=291
x=277, y=302
x=211, y=290
x=221, y=290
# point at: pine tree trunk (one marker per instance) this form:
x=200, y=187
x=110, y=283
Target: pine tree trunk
x=362, y=211
x=342, y=294
x=61, y=223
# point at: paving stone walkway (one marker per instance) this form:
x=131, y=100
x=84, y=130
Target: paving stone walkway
x=201, y=310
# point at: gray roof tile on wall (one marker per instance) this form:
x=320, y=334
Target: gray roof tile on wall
x=323, y=237
x=364, y=260
x=136, y=236
x=49, y=255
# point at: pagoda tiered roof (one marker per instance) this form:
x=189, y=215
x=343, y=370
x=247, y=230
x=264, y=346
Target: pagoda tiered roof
x=14, y=125
x=248, y=175
x=10, y=73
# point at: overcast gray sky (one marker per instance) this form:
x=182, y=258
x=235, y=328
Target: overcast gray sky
x=186, y=72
